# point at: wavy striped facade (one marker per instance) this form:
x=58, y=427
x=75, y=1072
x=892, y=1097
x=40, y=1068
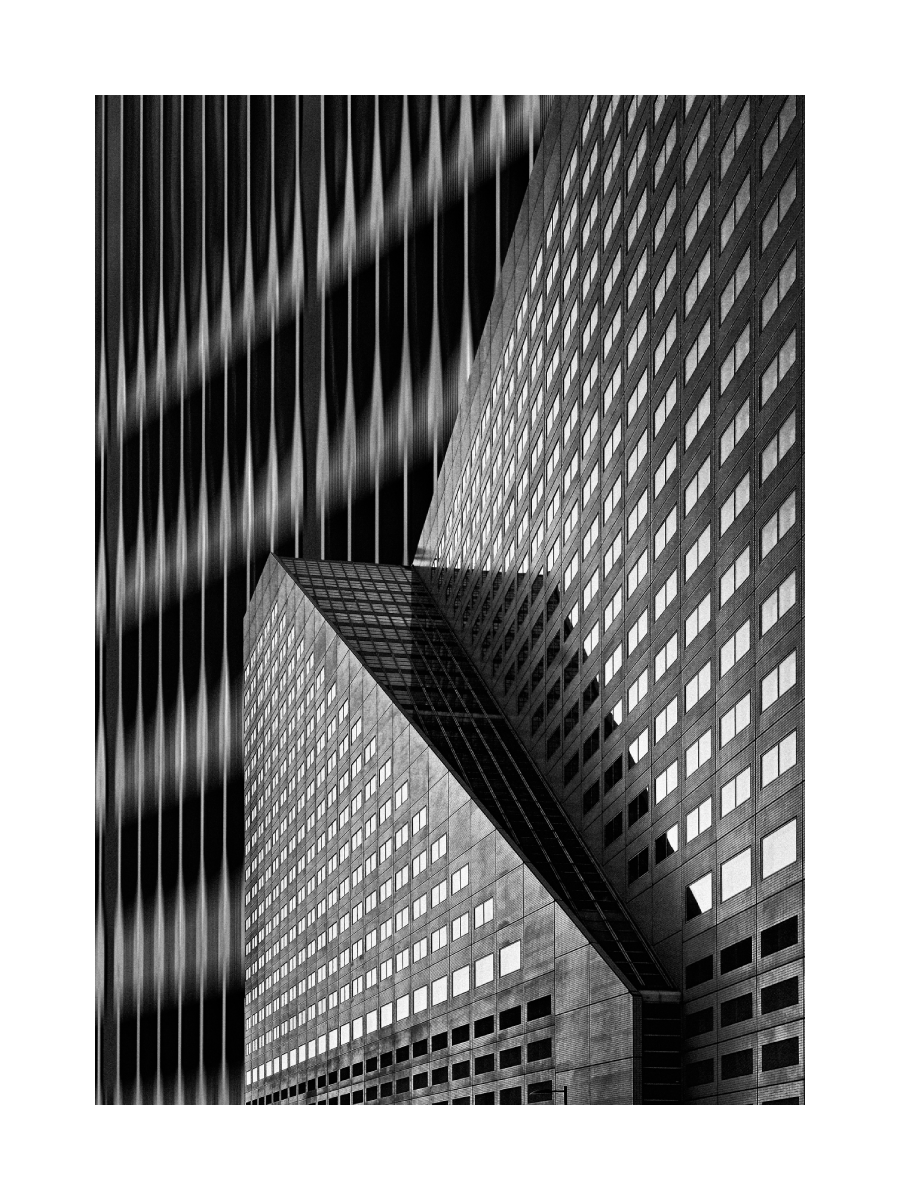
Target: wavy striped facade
x=289, y=292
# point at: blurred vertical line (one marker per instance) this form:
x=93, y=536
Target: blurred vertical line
x=404, y=409
x=100, y=622
x=321, y=275
x=117, y=596
x=159, y=932
x=298, y=444
x=225, y=690
x=181, y=564
x=203, y=707
x=140, y=398
x=273, y=305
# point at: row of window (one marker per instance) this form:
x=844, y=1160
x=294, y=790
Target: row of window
x=398, y=1010
x=777, y=851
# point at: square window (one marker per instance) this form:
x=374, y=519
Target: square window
x=698, y=897
x=779, y=849
x=736, y=874
x=484, y=970
x=510, y=958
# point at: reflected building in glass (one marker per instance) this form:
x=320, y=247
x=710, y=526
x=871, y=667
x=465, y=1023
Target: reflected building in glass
x=598, y=653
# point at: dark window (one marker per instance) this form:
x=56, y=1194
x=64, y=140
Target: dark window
x=552, y=602
x=371, y=1065
x=785, y=1053
x=402, y=1054
x=553, y=695
x=511, y=1095
x=784, y=1100
x=570, y=672
x=484, y=1098
x=699, y=1022
x=510, y=1057
x=510, y=1017
x=738, y=1064
x=780, y=995
x=460, y=1034
x=403, y=1084
x=523, y=698
x=699, y=1073
x=539, y=1008
x=420, y=1080
x=387, y=1089
x=345, y=1073
x=420, y=1048
x=570, y=770
x=461, y=1069
x=438, y=1042
x=738, y=1009
x=461, y=1100
x=539, y=1050
x=387, y=1059
x=483, y=1063
x=699, y=972
x=484, y=1026
x=638, y=807
x=357, y=1069
x=552, y=650
x=345, y=1099
x=612, y=774
x=664, y=848
x=639, y=865
x=592, y=745
x=739, y=954
x=537, y=720
x=438, y=1076
x=570, y=720
x=537, y=674
x=332, y=1077
x=590, y=797
x=590, y=694
x=613, y=828
x=779, y=937
x=358, y=1097
x=553, y=742
x=540, y=1093
x=372, y=1092
x=373, y=1061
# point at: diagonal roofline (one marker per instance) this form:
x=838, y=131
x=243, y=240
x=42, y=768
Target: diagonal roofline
x=475, y=741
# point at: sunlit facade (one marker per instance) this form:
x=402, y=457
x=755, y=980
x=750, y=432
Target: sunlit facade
x=617, y=541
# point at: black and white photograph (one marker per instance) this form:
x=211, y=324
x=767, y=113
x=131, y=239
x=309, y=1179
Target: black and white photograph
x=459, y=736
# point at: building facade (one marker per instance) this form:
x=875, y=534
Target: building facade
x=288, y=293
x=617, y=541
x=398, y=948
x=613, y=564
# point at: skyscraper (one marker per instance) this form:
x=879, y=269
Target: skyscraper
x=614, y=556
x=289, y=292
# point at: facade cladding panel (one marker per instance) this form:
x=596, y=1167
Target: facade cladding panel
x=397, y=949
x=617, y=540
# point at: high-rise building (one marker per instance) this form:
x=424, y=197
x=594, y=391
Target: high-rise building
x=289, y=293
x=614, y=560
